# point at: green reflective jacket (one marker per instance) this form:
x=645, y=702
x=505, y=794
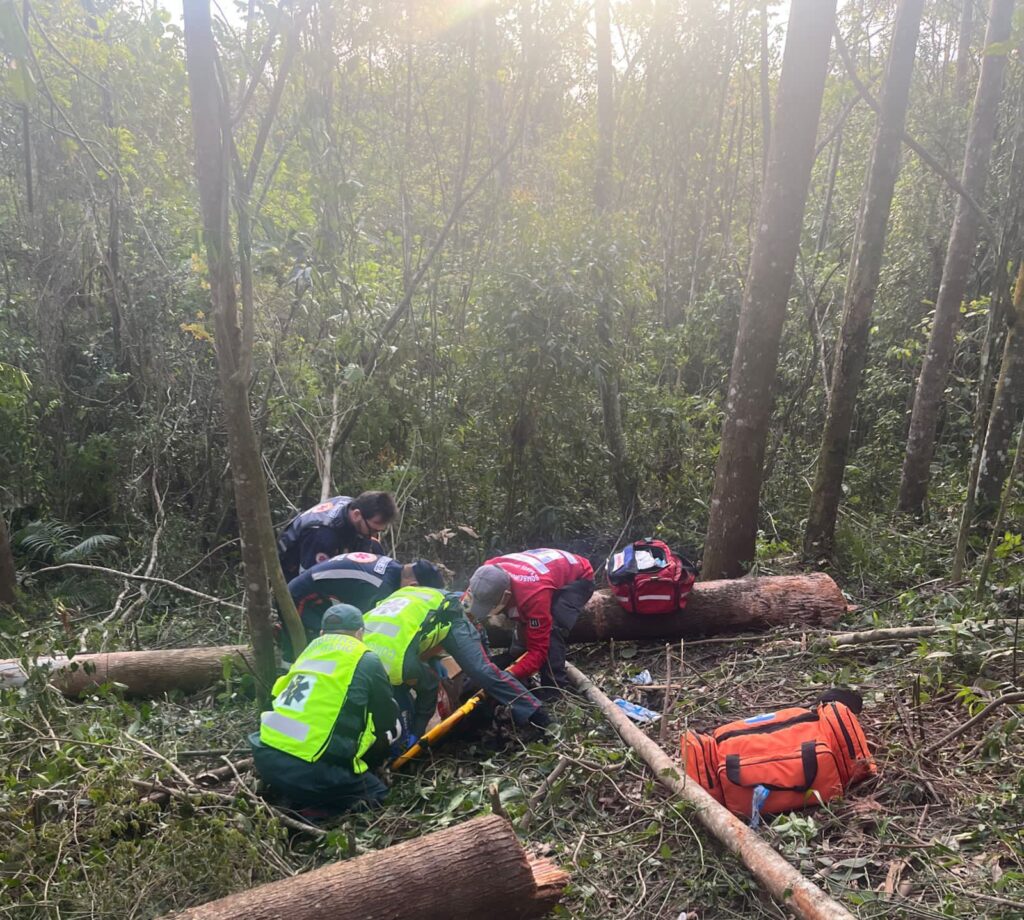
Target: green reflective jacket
x=308, y=699
x=412, y=614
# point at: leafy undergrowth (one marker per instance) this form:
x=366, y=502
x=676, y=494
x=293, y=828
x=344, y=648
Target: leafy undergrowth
x=936, y=834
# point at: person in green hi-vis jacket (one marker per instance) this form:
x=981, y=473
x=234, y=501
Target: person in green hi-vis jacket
x=332, y=723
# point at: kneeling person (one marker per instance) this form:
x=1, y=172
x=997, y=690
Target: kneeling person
x=406, y=632
x=333, y=720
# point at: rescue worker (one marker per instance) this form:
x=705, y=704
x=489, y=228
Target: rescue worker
x=411, y=629
x=338, y=525
x=542, y=591
x=332, y=722
x=406, y=631
x=359, y=579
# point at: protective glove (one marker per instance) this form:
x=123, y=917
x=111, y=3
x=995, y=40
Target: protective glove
x=405, y=741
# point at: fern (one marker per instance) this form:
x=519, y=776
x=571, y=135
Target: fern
x=90, y=549
x=43, y=540
x=52, y=541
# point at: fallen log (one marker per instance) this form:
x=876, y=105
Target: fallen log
x=714, y=607
x=782, y=880
x=477, y=869
x=149, y=673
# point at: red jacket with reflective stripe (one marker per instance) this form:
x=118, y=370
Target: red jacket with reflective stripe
x=536, y=575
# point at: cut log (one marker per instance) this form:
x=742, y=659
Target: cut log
x=150, y=673
x=477, y=869
x=714, y=607
x=779, y=878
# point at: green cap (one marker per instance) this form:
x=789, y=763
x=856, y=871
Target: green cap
x=342, y=618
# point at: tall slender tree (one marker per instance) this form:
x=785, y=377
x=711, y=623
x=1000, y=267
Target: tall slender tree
x=862, y=281
x=732, y=528
x=1007, y=402
x=606, y=368
x=959, y=254
x=233, y=338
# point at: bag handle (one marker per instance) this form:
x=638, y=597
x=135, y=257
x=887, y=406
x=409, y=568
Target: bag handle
x=808, y=757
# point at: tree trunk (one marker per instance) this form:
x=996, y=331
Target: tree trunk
x=8, y=574
x=1016, y=472
x=145, y=674
x=715, y=608
x=26, y=128
x=765, y=87
x=862, y=283
x=732, y=528
x=963, y=49
x=1007, y=403
x=209, y=124
x=779, y=878
x=931, y=384
x=477, y=870
x=606, y=368
x=605, y=106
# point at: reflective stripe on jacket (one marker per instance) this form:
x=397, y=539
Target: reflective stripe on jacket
x=394, y=624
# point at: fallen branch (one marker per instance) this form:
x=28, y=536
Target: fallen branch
x=783, y=881
x=1007, y=699
x=472, y=871
x=132, y=576
x=526, y=821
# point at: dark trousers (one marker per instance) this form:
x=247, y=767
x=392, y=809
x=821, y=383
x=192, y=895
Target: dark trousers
x=566, y=607
x=319, y=784
x=467, y=645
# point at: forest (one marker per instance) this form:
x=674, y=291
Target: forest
x=744, y=276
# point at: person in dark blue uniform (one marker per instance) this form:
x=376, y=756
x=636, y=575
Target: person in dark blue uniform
x=359, y=579
x=338, y=525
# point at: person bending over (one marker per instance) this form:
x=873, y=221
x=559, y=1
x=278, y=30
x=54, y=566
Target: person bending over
x=543, y=592
x=338, y=525
x=360, y=579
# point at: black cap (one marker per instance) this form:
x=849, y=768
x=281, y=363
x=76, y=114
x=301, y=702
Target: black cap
x=428, y=575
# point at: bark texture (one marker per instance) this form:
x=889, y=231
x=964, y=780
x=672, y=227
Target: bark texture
x=931, y=384
x=732, y=528
x=1007, y=403
x=781, y=880
x=8, y=574
x=862, y=283
x=473, y=871
x=716, y=608
x=149, y=674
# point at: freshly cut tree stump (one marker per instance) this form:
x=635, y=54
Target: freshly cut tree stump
x=477, y=869
x=140, y=673
x=714, y=608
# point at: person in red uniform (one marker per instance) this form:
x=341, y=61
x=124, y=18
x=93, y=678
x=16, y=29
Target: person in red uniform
x=543, y=592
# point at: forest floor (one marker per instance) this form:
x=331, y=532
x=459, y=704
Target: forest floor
x=935, y=834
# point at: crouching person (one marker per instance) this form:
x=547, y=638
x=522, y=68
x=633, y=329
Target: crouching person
x=332, y=724
x=406, y=632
